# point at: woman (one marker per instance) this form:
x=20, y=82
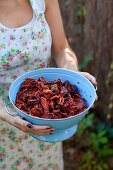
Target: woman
x=28, y=28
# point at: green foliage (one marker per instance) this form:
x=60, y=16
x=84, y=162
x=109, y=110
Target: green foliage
x=90, y=163
x=98, y=139
x=85, y=124
x=100, y=144
x=81, y=9
x=87, y=161
x=109, y=129
x=109, y=79
x=111, y=66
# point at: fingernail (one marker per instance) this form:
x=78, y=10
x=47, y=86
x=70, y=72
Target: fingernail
x=29, y=126
x=51, y=132
x=23, y=118
x=52, y=129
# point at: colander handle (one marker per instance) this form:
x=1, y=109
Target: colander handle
x=10, y=111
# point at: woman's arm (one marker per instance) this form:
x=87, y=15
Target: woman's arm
x=63, y=54
x=23, y=125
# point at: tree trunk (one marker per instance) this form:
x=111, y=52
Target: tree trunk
x=99, y=43
x=73, y=20
x=91, y=34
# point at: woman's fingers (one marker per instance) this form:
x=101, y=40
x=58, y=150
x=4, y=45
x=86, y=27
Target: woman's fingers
x=89, y=77
x=40, y=130
x=29, y=128
x=92, y=79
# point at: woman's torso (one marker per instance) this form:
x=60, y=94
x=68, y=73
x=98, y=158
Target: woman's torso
x=25, y=48
x=21, y=50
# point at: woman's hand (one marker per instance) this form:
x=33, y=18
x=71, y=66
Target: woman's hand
x=23, y=125
x=27, y=127
x=89, y=77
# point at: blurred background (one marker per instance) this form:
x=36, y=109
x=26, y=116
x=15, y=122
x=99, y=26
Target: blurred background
x=89, y=28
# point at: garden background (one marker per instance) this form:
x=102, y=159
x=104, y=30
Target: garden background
x=89, y=28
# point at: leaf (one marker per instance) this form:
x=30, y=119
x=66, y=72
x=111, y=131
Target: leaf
x=111, y=66
x=102, y=133
x=100, y=127
x=93, y=135
x=104, y=140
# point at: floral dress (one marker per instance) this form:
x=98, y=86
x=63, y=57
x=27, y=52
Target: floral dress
x=25, y=49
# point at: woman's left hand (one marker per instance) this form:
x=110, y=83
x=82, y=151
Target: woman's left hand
x=90, y=78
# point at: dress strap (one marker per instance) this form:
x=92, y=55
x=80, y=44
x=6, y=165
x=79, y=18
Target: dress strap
x=38, y=5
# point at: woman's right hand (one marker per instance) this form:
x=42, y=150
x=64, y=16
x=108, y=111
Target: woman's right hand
x=27, y=127
x=24, y=125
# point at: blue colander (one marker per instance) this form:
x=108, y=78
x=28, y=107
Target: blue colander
x=66, y=127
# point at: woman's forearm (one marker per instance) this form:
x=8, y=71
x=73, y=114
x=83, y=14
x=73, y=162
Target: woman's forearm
x=3, y=114
x=66, y=58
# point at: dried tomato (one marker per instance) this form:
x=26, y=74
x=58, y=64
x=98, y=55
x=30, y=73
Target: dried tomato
x=49, y=99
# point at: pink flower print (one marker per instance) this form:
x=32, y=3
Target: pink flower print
x=43, y=65
x=36, y=60
x=20, y=138
x=43, y=23
x=41, y=34
x=2, y=153
x=11, y=37
x=55, y=168
x=18, y=71
x=49, y=157
x=18, y=163
x=19, y=53
x=33, y=36
x=21, y=56
x=45, y=49
x=6, y=66
x=45, y=169
x=4, y=131
x=14, y=77
x=3, y=74
x=26, y=159
x=22, y=64
x=11, y=57
x=35, y=48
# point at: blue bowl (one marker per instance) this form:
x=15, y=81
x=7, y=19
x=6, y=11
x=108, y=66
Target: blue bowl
x=66, y=127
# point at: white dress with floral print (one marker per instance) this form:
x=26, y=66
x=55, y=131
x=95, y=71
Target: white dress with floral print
x=25, y=49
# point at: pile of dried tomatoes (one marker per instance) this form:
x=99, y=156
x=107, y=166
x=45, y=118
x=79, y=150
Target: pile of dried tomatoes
x=49, y=99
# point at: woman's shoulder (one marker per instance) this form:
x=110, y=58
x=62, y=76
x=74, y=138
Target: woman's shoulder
x=39, y=5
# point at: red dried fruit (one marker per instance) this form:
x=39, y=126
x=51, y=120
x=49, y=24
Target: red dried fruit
x=49, y=99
